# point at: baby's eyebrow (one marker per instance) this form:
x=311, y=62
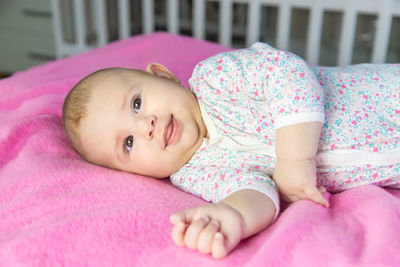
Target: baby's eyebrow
x=124, y=99
x=126, y=95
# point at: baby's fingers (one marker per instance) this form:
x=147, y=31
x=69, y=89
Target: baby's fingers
x=205, y=241
x=180, y=222
x=177, y=217
x=316, y=195
x=194, y=230
x=219, y=247
x=322, y=189
x=178, y=233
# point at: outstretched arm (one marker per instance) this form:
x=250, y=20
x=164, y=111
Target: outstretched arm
x=218, y=228
x=295, y=170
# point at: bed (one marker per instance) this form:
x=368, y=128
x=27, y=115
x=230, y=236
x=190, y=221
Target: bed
x=58, y=210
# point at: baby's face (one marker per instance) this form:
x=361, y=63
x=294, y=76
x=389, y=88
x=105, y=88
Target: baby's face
x=142, y=124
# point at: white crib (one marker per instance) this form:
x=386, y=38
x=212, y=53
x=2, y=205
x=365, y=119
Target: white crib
x=94, y=12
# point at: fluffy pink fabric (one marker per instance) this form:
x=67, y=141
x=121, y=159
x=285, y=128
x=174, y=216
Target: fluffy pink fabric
x=56, y=209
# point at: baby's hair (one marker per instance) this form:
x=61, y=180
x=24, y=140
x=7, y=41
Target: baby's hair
x=75, y=107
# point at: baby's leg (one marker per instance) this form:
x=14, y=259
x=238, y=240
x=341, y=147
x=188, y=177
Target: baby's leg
x=346, y=177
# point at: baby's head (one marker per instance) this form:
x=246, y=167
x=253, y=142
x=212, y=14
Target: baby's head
x=143, y=122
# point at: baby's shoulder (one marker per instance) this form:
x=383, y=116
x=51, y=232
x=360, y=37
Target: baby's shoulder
x=226, y=60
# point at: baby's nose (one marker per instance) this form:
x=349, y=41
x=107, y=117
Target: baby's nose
x=148, y=124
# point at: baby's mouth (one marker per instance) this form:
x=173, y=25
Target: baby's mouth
x=169, y=131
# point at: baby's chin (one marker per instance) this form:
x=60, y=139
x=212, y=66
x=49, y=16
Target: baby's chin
x=152, y=173
x=157, y=174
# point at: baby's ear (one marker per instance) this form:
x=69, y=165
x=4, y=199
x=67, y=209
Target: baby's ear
x=161, y=71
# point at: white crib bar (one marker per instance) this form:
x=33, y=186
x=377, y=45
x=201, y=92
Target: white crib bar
x=348, y=30
x=225, y=23
x=173, y=16
x=284, y=20
x=314, y=33
x=80, y=25
x=382, y=32
x=57, y=28
x=199, y=17
x=148, y=16
x=100, y=16
x=124, y=19
x=253, y=22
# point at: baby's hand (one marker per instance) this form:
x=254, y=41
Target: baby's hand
x=213, y=228
x=297, y=180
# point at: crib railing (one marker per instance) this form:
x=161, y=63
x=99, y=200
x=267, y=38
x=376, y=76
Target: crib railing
x=385, y=10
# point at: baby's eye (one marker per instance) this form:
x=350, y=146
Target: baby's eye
x=128, y=143
x=136, y=104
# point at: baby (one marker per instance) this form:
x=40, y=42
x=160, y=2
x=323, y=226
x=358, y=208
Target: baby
x=253, y=120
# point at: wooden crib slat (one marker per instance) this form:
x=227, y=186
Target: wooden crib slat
x=80, y=25
x=348, y=30
x=148, y=16
x=124, y=19
x=225, y=23
x=199, y=18
x=284, y=20
x=172, y=16
x=101, y=21
x=382, y=32
x=253, y=22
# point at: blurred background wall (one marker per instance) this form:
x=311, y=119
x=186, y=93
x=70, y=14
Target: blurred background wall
x=26, y=34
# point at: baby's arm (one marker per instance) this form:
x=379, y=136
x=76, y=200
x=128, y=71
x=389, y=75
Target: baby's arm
x=295, y=170
x=218, y=228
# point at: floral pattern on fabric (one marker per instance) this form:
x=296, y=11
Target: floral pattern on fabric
x=246, y=95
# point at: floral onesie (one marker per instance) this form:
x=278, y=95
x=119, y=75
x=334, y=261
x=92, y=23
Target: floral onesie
x=246, y=95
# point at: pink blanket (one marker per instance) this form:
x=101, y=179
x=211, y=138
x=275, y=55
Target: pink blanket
x=56, y=209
